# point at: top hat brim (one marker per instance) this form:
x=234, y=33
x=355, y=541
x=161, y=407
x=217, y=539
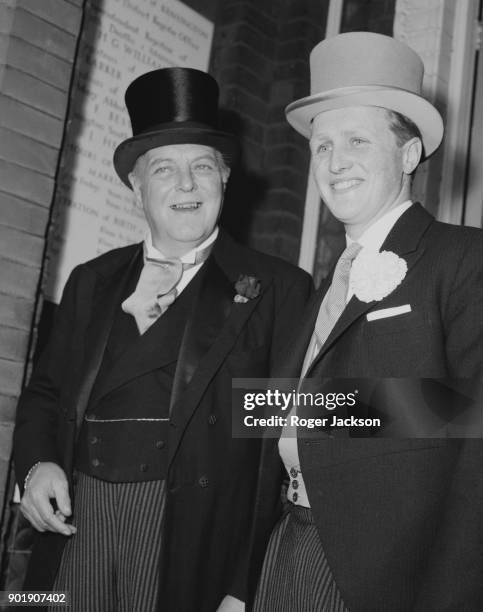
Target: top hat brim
x=129, y=150
x=424, y=115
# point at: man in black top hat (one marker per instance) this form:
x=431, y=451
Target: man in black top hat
x=123, y=445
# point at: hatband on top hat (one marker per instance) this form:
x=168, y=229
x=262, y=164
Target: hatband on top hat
x=367, y=69
x=172, y=106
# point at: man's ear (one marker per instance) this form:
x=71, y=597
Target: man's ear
x=225, y=176
x=136, y=187
x=412, y=152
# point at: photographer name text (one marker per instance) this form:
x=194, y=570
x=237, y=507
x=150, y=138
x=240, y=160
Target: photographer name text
x=309, y=423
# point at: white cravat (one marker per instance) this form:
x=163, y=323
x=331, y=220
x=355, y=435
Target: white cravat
x=187, y=258
x=162, y=279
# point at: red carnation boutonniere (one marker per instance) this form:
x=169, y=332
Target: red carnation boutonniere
x=246, y=287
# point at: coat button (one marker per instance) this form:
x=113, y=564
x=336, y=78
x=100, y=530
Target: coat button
x=160, y=444
x=95, y=462
x=295, y=497
x=94, y=440
x=203, y=482
x=212, y=419
x=144, y=467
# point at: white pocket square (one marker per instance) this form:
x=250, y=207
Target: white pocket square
x=388, y=312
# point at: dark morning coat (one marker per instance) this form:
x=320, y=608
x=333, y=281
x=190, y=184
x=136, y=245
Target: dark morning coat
x=211, y=478
x=400, y=520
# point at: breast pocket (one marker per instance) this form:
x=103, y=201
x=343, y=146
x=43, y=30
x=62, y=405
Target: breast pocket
x=398, y=346
x=398, y=324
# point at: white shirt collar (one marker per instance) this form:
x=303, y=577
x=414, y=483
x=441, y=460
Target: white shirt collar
x=375, y=235
x=187, y=258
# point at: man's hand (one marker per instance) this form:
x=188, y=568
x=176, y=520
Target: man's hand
x=47, y=481
x=231, y=604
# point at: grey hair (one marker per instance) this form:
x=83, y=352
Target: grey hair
x=222, y=165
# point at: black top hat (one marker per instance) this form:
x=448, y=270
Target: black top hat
x=172, y=106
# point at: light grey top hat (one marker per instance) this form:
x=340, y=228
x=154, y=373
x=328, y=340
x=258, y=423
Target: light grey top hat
x=367, y=69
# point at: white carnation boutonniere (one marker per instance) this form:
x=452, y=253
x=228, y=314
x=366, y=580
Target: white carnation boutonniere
x=375, y=274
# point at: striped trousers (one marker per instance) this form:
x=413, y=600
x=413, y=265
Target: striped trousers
x=296, y=576
x=112, y=563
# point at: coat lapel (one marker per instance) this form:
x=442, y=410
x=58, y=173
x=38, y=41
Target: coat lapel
x=404, y=240
x=212, y=329
x=107, y=296
x=211, y=309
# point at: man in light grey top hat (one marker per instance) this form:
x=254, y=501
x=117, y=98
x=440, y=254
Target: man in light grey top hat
x=379, y=524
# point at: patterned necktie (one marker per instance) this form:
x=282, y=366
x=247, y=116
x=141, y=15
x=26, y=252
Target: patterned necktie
x=335, y=300
x=156, y=288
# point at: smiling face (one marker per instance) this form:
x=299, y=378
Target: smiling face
x=180, y=188
x=359, y=169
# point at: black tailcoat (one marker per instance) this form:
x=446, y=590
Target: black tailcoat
x=211, y=477
x=400, y=520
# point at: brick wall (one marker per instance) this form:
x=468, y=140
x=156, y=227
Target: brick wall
x=260, y=58
x=37, y=47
